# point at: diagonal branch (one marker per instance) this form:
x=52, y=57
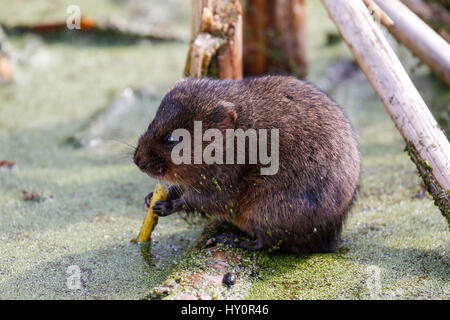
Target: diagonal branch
x=401, y=99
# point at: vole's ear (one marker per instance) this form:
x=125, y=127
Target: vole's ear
x=229, y=111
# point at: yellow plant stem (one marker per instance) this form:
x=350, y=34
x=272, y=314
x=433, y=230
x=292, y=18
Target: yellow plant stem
x=151, y=219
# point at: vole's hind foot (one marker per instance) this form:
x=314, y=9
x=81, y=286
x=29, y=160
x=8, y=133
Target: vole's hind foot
x=235, y=241
x=167, y=207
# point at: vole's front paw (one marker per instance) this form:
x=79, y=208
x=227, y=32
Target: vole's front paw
x=167, y=207
x=174, y=193
x=147, y=200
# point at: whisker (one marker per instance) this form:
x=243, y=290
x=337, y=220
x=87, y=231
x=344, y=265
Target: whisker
x=180, y=182
x=180, y=191
x=132, y=146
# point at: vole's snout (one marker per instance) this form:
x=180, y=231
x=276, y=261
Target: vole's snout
x=138, y=160
x=148, y=159
x=139, y=157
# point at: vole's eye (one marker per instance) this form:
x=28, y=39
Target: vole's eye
x=169, y=140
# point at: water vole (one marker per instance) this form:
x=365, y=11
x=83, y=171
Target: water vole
x=300, y=208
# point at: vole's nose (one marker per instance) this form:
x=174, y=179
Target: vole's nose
x=138, y=160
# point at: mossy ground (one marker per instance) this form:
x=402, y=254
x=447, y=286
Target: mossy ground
x=92, y=197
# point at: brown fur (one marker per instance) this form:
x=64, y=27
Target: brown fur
x=303, y=206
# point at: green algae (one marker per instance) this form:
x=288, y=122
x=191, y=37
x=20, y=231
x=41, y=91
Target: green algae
x=63, y=83
x=441, y=197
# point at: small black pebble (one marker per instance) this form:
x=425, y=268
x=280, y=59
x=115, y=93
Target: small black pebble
x=229, y=279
